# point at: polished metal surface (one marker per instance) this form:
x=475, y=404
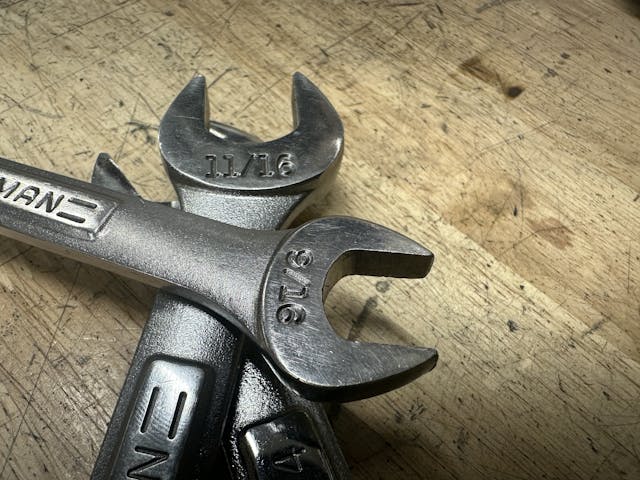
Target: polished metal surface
x=158, y=437
x=271, y=205
x=285, y=448
x=196, y=155
x=238, y=179
x=231, y=271
x=261, y=398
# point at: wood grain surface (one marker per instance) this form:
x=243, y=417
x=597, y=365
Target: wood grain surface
x=501, y=134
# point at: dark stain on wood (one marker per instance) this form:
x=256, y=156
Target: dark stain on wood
x=476, y=68
x=553, y=231
x=359, y=322
x=463, y=439
x=513, y=91
x=594, y=328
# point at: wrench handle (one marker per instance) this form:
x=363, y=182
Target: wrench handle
x=200, y=258
x=172, y=408
x=179, y=392
x=160, y=417
x=275, y=433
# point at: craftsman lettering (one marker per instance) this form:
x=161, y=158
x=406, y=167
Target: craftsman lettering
x=261, y=165
x=290, y=461
x=59, y=204
x=29, y=195
x=160, y=418
x=157, y=457
x=7, y=190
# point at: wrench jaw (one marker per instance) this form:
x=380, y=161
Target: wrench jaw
x=293, y=321
x=195, y=155
x=108, y=174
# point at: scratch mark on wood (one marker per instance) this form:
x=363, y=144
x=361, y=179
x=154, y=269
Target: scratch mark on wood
x=35, y=384
x=88, y=22
x=595, y=327
x=474, y=67
x=15, y=256
x=491, y=4
x=561, y=385
x=219, y=77
x=12, y=102
x=144, y=127
x=359, y=322
x=407, y=23
x=168, y=52
x=406, y=4
x=347, y=36
x=146, y=102
x=257, y=97
x=124, y=138
x=532, y=234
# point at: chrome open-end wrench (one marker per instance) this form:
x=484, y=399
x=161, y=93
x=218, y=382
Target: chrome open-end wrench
x=300, y=434
x=270, y=285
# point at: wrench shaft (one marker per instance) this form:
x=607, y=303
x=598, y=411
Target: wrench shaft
x=198, y=258
x=186, y=357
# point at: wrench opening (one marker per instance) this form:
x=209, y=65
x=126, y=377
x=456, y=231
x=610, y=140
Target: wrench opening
x=293, y=320
x=376, y=264
x=199, y=156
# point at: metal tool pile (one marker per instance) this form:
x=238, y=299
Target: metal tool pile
x=237, y=351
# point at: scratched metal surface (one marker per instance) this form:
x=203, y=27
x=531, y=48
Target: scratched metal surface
x=503, y=135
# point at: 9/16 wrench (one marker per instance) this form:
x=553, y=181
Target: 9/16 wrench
x=182, y=334
x=270, y=285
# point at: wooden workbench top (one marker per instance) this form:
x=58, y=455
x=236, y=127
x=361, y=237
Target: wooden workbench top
x=503, y=135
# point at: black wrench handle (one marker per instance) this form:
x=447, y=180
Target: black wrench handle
x=171, y=412
x=170, y=417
